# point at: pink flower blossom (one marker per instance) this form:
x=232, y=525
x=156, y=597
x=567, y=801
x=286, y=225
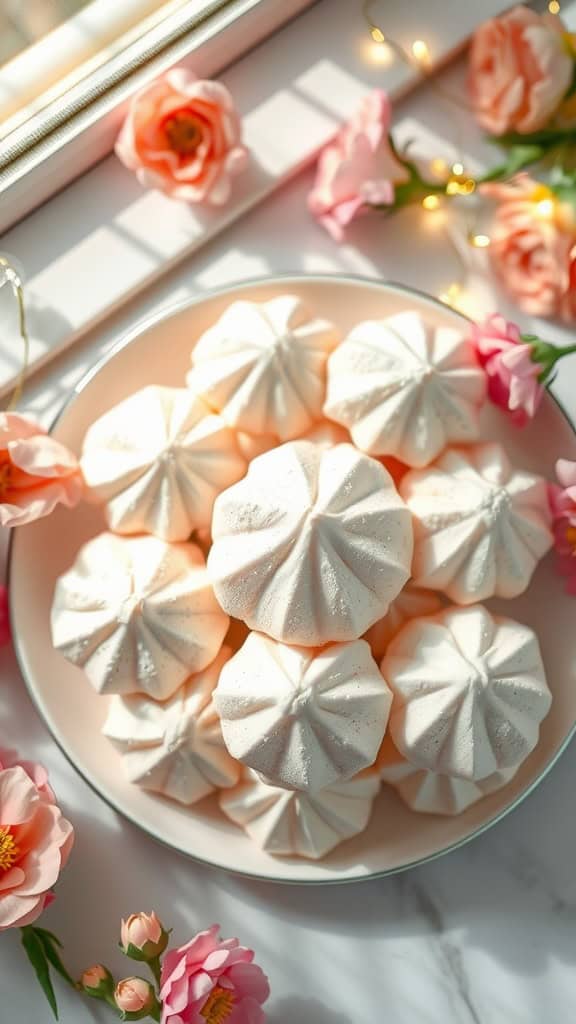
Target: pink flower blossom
x=36, y=472
x=209, y=981
x=513, y=382
x=520, y=69
x=35, y=842
x=4, y=617
x=357, y=169
x=183, y=136
x=563, y=504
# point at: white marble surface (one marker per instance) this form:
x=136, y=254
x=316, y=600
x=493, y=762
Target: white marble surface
x=486, y=935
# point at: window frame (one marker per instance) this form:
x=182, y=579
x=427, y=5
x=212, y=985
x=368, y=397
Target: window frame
x=56, y=146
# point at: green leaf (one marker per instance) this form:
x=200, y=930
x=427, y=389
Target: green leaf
x=547, y=137
x=519, y=156
x=37, y=957
x=49, y=942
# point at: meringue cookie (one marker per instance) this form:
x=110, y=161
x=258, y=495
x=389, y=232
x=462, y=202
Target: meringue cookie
x=430, y=793
x=138, y=615
x=411, y=603
x=157, y=460
x=174, y=748
x=469, y=692
x=326, y=433
x=480, y=526
x=252, y=445
x=312, y=545
x=301, y=718
x=263, y=366
x=285, y=822
x=405, y=388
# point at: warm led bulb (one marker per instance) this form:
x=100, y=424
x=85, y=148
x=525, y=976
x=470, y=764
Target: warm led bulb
x=545, y=209
x=377, y=35
x=480, y=241
x=458, y=168
x=420, y=51
x=554, y=7
x=431, y=202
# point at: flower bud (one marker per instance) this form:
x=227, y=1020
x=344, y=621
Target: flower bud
x=142, y=937
x=135, y=998
x=97, y=981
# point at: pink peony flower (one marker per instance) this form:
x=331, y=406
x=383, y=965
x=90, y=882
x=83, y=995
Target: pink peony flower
x=36, y=472
x=512, y=374
x=520, y=69
x=142, y=936
x=36, y=772
x=134, y=995
x=209, y=981
x=182, y=135
x=5, y=634
x=531, y=241
x=35, y=842
x=358, y=168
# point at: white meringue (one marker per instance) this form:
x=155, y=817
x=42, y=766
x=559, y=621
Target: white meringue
x=158, y=459
x=285, y=822
x=138, y=615
x=263, y=366
x=405, y=388
x=431, y=793
x=411, y=603
x=174, y=748
x=326, y=433
x=480, y=526
x=312, y=545
x=252, y=445
x=469, y=692
x=301, y=718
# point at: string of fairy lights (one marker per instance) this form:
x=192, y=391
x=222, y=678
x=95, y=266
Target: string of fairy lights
x=454, y=178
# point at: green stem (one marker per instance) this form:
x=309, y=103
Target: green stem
x=156, y=969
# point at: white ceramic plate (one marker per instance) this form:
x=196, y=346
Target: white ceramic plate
x=396, y=838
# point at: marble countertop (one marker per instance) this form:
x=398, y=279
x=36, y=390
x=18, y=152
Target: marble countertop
x=486, y=935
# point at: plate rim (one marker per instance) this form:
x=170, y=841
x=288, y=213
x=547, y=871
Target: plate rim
x=127, y=338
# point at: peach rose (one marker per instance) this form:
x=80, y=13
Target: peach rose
x=531, y=241
x=520, y=69
x=183, y=136
x=36, y=472
x=568, y=303
x=35, y=842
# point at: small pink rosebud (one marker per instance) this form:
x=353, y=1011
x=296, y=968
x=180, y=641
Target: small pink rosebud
x=143, y=937
x=97, y=981
x=135, y=996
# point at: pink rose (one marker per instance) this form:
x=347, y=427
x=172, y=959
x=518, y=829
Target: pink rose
x=182, y=135
x=520, y=69
x=142, y=936
x=358, y=168
x=4, y=617
x=36, y=472
x=35, y=842
x=209, y=981
x=531, y=241
x=512, y=374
